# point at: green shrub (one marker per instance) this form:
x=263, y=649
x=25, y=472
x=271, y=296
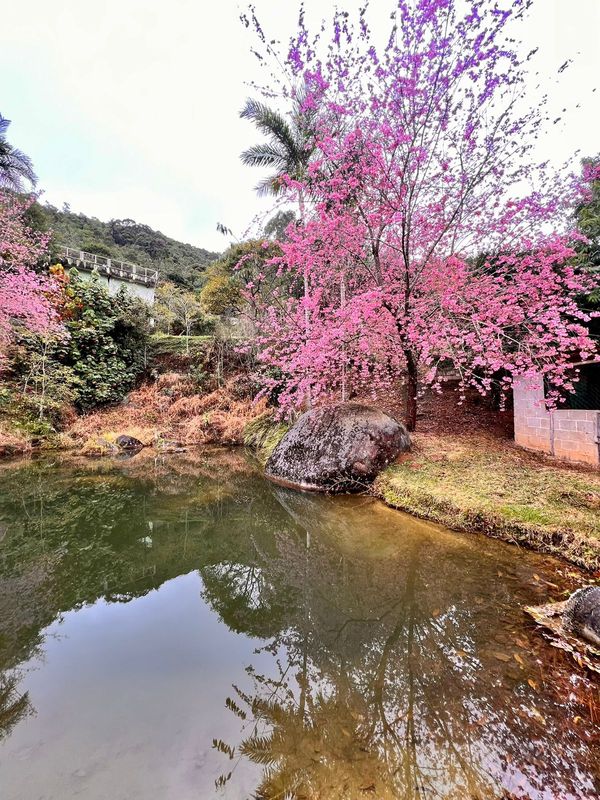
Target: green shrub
x=106, y=345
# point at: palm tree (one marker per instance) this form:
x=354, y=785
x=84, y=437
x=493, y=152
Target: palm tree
x=15, y=166
x=289, y=146
x=288, y=150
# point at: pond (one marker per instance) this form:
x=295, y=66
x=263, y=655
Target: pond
x=176, y=627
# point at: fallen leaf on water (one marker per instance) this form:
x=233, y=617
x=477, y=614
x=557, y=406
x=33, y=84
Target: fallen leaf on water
x=436, y=612
x=502, y=657
x=532, y=683
x=549, y=583
x=549, y=617
x=577, y=720
x=537, y=715
x=518, y=659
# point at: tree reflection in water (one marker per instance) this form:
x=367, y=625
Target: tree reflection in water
x=14, y=706
x=398, y=676
x=402, y=665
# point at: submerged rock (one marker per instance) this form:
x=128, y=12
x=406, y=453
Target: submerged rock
x=581, y=614
x=337, y=448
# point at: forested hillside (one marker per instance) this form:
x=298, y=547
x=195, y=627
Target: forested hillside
x=125, y=239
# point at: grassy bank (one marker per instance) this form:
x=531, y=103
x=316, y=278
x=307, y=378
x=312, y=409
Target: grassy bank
x=479, y=484
x=161, y=344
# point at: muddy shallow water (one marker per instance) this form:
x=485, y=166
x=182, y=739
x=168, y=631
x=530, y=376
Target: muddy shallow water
x=177, y=627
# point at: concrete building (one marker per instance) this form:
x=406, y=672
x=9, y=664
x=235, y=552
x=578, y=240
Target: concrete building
x=138, y=281
x=571, y=432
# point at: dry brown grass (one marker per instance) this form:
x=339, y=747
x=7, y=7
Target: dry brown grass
x=169, y=410
x=12, y=443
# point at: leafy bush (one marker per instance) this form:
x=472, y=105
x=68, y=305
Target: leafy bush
x=107, y=343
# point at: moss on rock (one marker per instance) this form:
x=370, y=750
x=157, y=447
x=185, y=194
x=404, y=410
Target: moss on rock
x=263, y=434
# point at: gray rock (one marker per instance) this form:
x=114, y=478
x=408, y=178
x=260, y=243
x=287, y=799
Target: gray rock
x=337, y=448
x=128, y=443
x=581, y=614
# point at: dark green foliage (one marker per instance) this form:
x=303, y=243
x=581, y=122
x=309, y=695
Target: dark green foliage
x=106, y=345
x=97, y=363
x=588, y=254
x=126, y=240
x=588, y=218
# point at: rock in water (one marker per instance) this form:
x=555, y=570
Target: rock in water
x=337, y=448
x=581, y=615
x=128, y=443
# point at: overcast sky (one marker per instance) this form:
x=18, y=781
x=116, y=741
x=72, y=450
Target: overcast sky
x=129, y=108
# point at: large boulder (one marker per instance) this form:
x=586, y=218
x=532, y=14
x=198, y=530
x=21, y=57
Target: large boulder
x=125, y=442
x=581, y=614
x=337, y=448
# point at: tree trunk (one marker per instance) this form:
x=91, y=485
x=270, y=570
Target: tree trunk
x=343, y=305
x=411, y=391
x=306, y=290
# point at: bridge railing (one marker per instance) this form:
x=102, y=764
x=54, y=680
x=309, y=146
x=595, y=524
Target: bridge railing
x=124, y=270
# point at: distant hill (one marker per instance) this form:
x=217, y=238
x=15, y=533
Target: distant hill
x=127, y=240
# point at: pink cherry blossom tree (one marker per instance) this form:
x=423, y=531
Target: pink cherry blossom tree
x=432, y=235
x=26, y=297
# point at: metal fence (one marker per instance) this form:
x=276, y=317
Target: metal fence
x=110, y=267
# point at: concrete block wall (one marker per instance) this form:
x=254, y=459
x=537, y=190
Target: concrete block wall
x=576, y=435
x=532, y=420
x=570, y=434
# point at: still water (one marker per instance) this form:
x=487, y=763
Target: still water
x=177, y=628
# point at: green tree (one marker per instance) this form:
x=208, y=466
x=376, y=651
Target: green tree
x=179, y=311
x=235, y=281
x=588, y=213
x=16, y=168
x=288, y=150
x=275, y=228
x=588, y=222
x=221, y=294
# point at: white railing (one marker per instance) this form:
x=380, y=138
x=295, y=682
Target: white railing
x=123, y=270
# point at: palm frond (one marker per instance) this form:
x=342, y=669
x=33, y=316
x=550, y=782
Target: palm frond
x=290, y=144
x=15, y=166
x=263, y=155
x=271, y=185
x=259, y=749
x=271, y=123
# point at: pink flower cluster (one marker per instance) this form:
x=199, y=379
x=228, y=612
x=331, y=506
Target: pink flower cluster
x=431, y=238
x=25, y=296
